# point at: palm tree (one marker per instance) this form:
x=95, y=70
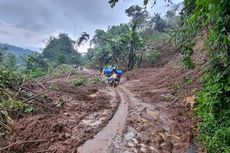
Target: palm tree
x=84, y=36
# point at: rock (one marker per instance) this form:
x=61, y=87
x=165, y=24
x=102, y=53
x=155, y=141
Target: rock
x=67, y=135
x=135, y=140
x=135, y=150
x=153, y=149
x=130, y=144
x=143, y=145
x=52, y=140
x=143, y=149
x=61, y=137
x=66, y=114
x=129, y=135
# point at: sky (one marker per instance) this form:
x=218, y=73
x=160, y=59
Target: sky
x=29, y=23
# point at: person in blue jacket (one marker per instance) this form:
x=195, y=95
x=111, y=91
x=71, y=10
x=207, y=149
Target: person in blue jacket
x=108, y=71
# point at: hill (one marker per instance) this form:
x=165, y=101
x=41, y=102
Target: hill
x=17, y=51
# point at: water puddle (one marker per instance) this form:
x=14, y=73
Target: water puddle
x=106, y=138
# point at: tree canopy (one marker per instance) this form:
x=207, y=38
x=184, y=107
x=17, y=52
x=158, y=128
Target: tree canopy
x=61, y=50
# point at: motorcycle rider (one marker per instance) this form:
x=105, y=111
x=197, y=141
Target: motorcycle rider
x=118, y=75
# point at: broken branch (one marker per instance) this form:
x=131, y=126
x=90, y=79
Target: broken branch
x=36, y=96
x=19, y=143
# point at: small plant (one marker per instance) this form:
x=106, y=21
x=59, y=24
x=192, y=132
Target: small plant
x=87, y=82
x=95, y=80
x=153, y=56
x=29, y=109
x=61, y=103
x=35, y=73
x=12, y=104
x=62, y=69
x=80, y=82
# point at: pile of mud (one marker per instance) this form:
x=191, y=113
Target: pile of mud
x=63, y=118
x=158, y=120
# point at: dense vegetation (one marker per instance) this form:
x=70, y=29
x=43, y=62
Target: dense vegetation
x=54, y=59
x=61, y=50
x=126, y=45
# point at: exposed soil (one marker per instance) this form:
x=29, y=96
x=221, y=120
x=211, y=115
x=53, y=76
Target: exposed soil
x=143, y=114
x=64, y=118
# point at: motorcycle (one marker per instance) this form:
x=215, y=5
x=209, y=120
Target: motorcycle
x=114, y=80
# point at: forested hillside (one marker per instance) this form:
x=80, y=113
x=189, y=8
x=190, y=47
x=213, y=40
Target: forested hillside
x=17, y=51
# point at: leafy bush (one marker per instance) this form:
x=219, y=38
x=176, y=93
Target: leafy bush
x=87, y=82
x=80, y=82
x=9, y=80
x=62, y=69
x=95, y=80
x=152, y=57
x=12, y=104
x=35, y=73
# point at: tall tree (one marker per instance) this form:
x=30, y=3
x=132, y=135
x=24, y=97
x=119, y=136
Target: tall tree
x=159, y=23
x=84, y=36
x=62, y=47
x=139, y=15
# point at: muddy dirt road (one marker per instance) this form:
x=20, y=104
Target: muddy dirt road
x=140, y=115
x=148, y=119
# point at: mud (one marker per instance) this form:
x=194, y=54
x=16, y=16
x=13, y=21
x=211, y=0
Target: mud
x=109, y=137
x=157, y=122
x=63, y=118
x=143, y=114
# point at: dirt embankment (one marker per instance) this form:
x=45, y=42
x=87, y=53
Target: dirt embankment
x=63, y=118
x=157, y=120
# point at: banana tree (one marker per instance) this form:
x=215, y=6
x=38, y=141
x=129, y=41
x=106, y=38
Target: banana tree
x=133, y=42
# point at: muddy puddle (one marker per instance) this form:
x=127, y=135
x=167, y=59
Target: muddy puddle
x=107, y=140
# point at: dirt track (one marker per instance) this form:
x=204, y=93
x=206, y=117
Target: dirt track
x=140, y=115
x=150, y=119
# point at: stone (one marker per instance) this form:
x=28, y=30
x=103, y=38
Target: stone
x=67, y=135
x=131, y=144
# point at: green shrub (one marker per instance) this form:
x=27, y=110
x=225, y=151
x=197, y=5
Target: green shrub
x=12, y=104
x=35, y=73
x=80, y=82
x=152, y=57
x=95, y=80
x=9, y=80
x=84, y=81
x=62, y=69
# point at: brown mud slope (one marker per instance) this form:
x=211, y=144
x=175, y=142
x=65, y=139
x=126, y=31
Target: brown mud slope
x=157, y=121
x=63, y=118
x=152, y=116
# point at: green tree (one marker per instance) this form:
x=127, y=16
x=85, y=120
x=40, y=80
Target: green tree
x=11, y=61
x=7, y=60
x=139, y=15
x=33, y=60
x=84, y=36
x=62, y=46
x=135, y=42
x=159, y=23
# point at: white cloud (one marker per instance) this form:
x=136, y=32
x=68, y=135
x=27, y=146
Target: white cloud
x=27, y=23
